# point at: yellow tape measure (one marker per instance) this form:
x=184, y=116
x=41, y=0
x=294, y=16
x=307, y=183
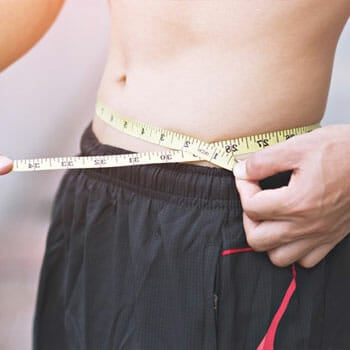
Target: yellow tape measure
x=182, y=148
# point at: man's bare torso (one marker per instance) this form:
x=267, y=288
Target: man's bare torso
x=219, y=69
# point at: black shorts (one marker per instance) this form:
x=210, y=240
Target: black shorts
x=154, y=257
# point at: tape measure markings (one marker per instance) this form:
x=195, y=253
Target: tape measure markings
x=79, y=162
x=182, y=148
x=206, y=151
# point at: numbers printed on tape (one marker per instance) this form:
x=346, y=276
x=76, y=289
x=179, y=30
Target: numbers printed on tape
x=182, y=148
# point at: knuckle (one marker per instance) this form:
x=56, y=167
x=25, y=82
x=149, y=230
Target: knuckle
x=307, y=263
x=252, y=213
x=252, y=241
x=283, y=236
x=311, y=229
x=292, y=233
x=254, y=164
x=279, y=258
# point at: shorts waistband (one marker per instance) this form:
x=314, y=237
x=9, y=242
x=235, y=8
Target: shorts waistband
x=184, y=183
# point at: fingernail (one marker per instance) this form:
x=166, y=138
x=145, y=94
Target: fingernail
x=239, y=170
x=5, y=162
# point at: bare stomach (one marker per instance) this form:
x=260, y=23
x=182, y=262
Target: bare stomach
x=213, y=90
x=214, y=100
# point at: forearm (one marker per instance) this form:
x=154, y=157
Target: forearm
x=22, y=24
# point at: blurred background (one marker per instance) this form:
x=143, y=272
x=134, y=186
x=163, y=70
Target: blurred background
x=46, y=100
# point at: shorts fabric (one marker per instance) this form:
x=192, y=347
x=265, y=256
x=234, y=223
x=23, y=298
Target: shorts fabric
x=154, y=257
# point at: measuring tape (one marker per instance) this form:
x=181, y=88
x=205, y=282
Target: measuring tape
x=182, y=148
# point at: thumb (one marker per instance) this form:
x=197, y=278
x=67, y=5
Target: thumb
x=269, y=161
x=6, y=165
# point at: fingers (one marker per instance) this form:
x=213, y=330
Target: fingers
x=284, y=248
x=303, y=252
x=6, y=165
x=291, y=252
x=316, y=255
x=269, y=161
x=267, y=235
x=264, y=204
x=284, y=244
x=247, y=189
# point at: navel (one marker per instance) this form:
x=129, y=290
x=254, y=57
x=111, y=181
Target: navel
x=122, y=79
